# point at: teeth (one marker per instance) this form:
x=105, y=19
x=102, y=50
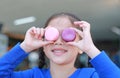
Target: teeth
x=58, y=51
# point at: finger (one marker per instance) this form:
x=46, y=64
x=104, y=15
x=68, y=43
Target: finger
x=78, y=23
x=42, y=31
x=48, y=42
x=85, y=25
x=37, y=33
x=82, y=23
x=32, y=30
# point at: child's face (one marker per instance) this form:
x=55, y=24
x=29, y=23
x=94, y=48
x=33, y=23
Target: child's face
x=59, y=52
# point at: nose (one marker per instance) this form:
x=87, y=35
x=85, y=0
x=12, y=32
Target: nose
x=59, y=41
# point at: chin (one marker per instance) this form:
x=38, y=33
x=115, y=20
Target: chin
x=59, y=61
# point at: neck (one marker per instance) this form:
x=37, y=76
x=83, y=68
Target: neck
x=61, y=71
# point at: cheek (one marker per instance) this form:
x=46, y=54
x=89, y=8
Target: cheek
x=47, y=50
x=74, y=50
x=47, y=47
x=77, y=38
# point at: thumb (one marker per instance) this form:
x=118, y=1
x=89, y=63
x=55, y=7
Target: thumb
x=48, y=42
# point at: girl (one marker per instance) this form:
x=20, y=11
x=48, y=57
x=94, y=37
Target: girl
x=61, y=53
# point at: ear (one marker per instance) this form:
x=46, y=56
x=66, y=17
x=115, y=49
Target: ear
x=80, y=52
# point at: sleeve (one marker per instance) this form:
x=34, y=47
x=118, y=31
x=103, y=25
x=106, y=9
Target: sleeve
x=10, y=60
x=104, y=67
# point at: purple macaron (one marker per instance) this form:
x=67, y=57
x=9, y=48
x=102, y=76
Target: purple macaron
x=68, y=35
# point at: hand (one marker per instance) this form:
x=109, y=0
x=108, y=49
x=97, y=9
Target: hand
x=33, y=39
x=85, y=44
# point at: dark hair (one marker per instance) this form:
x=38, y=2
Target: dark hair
x=41, y=62
x=72, y=18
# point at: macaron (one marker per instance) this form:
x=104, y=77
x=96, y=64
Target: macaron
x=51, y=34
x=68, y=35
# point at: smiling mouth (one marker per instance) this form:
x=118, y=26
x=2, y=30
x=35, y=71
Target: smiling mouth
x=59, y=52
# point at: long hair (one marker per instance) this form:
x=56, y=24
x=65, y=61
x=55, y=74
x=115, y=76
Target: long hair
x=72, y=19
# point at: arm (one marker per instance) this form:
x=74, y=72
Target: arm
x=9, y=61
x=85, y=44
x=33, y=40
x=104, y=66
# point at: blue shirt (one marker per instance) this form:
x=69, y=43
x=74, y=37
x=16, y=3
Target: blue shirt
x=103, y=67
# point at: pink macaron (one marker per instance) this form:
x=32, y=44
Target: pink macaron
x=68, y=35
x=51, y=34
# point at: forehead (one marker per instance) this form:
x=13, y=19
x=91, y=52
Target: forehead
x=60, y=23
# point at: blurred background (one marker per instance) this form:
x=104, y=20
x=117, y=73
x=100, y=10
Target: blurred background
x=16, y=16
